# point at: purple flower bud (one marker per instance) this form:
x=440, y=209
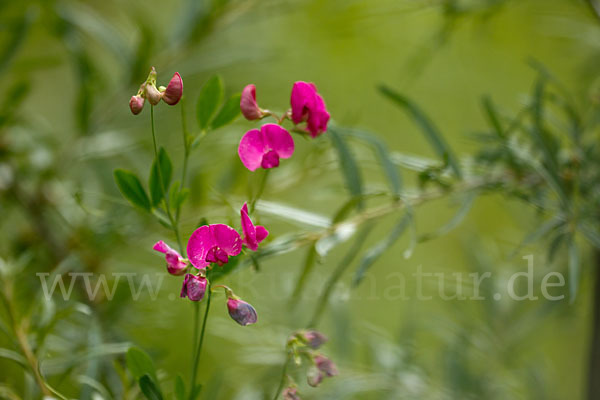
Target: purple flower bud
x=136, y=103
x=152, y=94
x=314, y=377
x=174, y=90
x=290, y=393
x=248, y=105
x=241, y=312
x=314, y=339
x=325, y=365
x=194, y=287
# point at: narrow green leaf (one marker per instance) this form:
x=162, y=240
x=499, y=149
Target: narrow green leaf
x=574, y=270
x=376, y=251
x=492, y=116
x=14, y=356
x=346, y=208
x=139, y=364
x=590, y=234
x=348, y=163
x=541, y=231
x=209, y=100
x=460, y=215
x=165, y=172
x=382, y=153
x=228, y=113
x=149, y=388
x=179, y=388
x=307, y=267
x=131, y=188
x=430, y=131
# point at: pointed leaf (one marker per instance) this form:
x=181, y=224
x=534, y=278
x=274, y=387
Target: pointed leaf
x=430, y=131
x=139, y=364
x=209, y=100
x=149, y=388
x=228, y=113
x=179, y=388
x=348, y=163
x=574, y=270
x=163, y=169
x=131, y=188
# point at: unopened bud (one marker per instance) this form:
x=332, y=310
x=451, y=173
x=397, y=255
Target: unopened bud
x=314, y=377
x=194, y=287
x=314, y=339
x=174, y=90
x=136, y=103
x=290, y=393
x=241, y=312
x=325, y=365
x=152, y=94
x=248, y=105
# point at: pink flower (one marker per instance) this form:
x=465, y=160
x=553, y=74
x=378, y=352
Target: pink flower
x=290, y=393
x=174, y=90
x=253, y=235
x=248, y=105
x=241, y=312
x=136, y=103
x=213, y=244
x=264, y=148
x=325, y=365
x=176, y=264
x=308, y=105
x=193, y=287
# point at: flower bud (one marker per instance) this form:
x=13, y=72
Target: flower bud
x=314, y=377
x=248, y=105
x=325, y=365
x=290, y=393
x=174, y=90
x=152, y=94
x=194, y=287
x=241, y=312
x=314, y=339
x=136, y=103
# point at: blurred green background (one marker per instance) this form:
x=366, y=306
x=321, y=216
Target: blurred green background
x=81, y=61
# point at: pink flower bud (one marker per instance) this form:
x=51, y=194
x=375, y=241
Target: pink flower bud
x=136, y=103
x=176, y=264
x=241, y=312
x=314, y=339
x=174, y=90
x=194, y=287
x=290, y=393
x=325, y=365
x=248, y=105
x=314, y=377
x=152, y=94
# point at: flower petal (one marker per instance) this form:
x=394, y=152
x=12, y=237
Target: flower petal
x=161, y=246
x=278, y=139
x=261, y=233
x=248, y=229
x=226, y=238
x=302, y=100
x=251, y=149
x=200, y=242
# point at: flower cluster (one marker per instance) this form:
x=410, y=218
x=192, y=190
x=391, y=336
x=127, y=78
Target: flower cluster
x=304, y=344
x=264, y=147
x=148, y=91
x=211, y=245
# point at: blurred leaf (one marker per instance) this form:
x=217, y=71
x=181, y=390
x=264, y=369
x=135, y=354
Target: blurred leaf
x=18, y=34
x=381, y=150
x=149, y=388
x=346, y=209
x=460, y=215
x=228, y=113
x=492, y=116
x=209, y=100
x=308, y=265
x=179, y=388
x=348, y=164
x=13, y=355
x=541, y=231
x=430, y=131
x=590, y=234
x=131, y=188
x=165, y=172
x=574, y=270
x=376, y=251
x=214, y=274
x=140, y=364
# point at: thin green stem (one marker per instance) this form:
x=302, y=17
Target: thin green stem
x=174, y=225
x=200, y=342
x=186, y=155
x=261, y=189
x=283, y=378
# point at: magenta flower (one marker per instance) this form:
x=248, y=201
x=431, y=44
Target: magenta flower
x=308, y=105
x=176, y=264
x=213, y=244
x=136, y=103
x=248, y=105
x=264, y=147
x=174, y=90
x=325, y=365
x=253, y=235
x=194, y=287
x=241, y=312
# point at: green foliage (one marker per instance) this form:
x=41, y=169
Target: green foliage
x=228, y=112
x=162, y=168
x=131, y=188
x=209, y=100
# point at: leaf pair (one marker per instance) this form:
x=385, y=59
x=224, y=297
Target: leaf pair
x=210, y=99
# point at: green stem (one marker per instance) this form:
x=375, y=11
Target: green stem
x=174, y=226
x=200, y=342
x=261, y=189
x=185, y=156
x=283, y=378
